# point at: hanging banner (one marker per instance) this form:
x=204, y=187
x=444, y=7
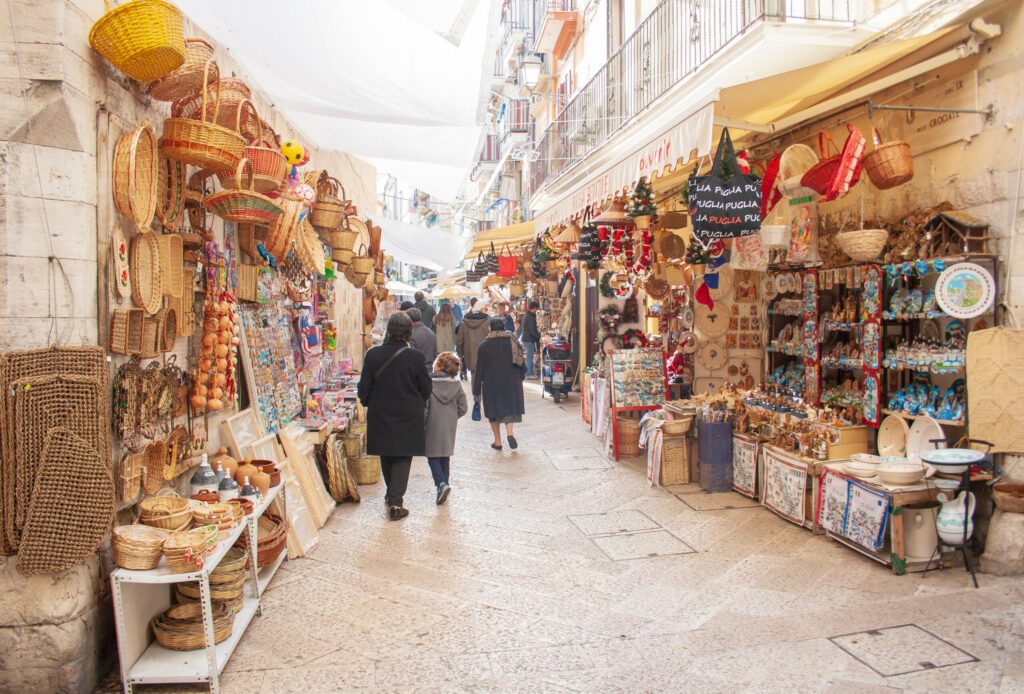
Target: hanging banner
x=724, y=206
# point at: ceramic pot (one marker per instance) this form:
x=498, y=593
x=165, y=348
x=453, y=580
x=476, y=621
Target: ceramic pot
x=204, y=479
x=245, y=470
x=227, y=490
x=919, y=530
x=261, y=481
x=248, y=491
x=954, y=516
x=270, y=469
x=229, y=463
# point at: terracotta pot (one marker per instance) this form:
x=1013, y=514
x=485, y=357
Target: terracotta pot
x=270, y=469
x=261, y=479
x=246, y=469
x=230, y=464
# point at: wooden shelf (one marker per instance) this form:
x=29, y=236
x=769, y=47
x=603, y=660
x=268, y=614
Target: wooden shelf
x=907, y=415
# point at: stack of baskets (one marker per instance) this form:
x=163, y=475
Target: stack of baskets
x=181, y=627
x=185, y=551
x=227, y=582
x=272, y=531
x=675, y=461
x=629, y=435
x=166, y=512
x=328, y=209
x=241, y=507
x=138, y=547
x=218, y=515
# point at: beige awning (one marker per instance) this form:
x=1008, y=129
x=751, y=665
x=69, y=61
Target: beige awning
x=513, y=235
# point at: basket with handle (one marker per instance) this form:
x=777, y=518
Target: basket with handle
x=188, y=78
x=135, y=173
x=269, y=166
x=144, y=39
x=202, y=142
x=862, y=244
x=342, y=258
x=889, y=164
x=363, y=262
x=231, y=91
x=819, y=176
x=242, y=204
x=365, y=469
x=328, y=209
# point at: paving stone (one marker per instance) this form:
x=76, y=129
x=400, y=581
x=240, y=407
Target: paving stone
x=657, y=543
x=902, y=650
x=613, y=522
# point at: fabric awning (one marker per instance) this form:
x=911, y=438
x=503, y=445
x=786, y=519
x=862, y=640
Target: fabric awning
x=401, y=288
x=430, y=248
x=513, y=235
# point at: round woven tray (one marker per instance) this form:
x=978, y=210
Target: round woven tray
x=144, y=261
x=135, y=169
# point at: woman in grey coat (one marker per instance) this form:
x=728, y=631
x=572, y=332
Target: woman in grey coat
x=446, y=405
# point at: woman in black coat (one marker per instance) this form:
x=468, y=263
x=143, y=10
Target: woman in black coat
x=395, y=386
x=498, y=376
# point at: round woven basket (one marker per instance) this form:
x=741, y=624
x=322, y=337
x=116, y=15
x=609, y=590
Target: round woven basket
x=144, y=262
x=202, y=142
x=137, y=547
x=363, y=262
x=863, y=244
x=819, y=176
x=187, y=79
x=269, y=166
x=890, y=164
x=793, y=164
x=165, y=512
x=135, y=173
x=242, y=204
x=676, y=427
x=181, y=627
x=282, y=229
x=231, y=92
x=365, y=469
x=144, y=39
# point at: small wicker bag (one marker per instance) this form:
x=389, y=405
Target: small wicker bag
x=201, y=142
x=135, y=170
x=144, y=39
x=243, y=204
x=328, y=209
x=170, y=192
x=126, y=331
x=363, y=262
x=890, y=164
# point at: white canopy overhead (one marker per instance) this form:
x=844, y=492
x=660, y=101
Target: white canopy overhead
x=401, y=288
x=387, y=81
x=429, y=248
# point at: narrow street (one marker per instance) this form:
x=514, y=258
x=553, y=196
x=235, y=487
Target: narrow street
x=552, y=569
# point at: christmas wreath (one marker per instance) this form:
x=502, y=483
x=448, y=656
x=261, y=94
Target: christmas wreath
x=605, y=286
x=634, y=337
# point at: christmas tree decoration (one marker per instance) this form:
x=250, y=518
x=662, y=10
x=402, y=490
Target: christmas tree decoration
x=641, y=205
x=696, y=253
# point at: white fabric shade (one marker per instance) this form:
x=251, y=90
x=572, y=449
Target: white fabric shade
x=401, y=288
x=374, y=79
x=430, y=248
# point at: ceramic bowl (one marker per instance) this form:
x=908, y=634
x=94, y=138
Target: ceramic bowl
x=946, y=485
x=863, y=470
x=866, y=458
x=901, y=473
x=952, y=461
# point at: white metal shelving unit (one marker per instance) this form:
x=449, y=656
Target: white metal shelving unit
x=139, y=596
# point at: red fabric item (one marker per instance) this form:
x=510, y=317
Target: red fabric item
x=703, y=295
x=851, y=163
x=743, y=161
x=508, y=263
x=770, y=194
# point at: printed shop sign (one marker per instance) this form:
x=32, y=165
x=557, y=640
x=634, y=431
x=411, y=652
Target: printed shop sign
x=725, y=207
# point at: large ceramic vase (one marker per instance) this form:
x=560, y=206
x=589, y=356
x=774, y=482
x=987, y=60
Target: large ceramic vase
x=956, y=514
x=229, y=463
x=245, y=471
x=204, y=479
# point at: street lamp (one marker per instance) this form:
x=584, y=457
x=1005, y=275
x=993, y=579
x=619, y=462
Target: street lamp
x=532, y=68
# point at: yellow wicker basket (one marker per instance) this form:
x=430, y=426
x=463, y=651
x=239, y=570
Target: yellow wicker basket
x=144, y=39
x=365, y=469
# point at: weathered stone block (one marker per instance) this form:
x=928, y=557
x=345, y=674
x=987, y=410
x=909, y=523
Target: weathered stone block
x=47, y=599
x=23, y=232
x=47, y=172
x=48, y=114
x=1004, y=546
x=30, y=333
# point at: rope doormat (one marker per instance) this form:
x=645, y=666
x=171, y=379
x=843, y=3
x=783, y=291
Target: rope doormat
x=72, y=505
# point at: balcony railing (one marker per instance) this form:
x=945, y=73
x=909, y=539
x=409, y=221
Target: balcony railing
x=515, y=120
x=677, y=38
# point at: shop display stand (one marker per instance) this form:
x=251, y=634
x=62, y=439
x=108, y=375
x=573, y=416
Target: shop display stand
x=139, y=596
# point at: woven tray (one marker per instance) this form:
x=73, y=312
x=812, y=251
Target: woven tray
x=172, y=260
x=145, y=270
x=72, y=505
x=135, y=175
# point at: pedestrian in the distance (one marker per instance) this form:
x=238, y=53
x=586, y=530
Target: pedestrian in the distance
x=531, y=337
x=426, y=309
x=394, y=387
x=498, y=380
x=446, y=406
x=473, y=331
x=444, y=329
x=423, y=338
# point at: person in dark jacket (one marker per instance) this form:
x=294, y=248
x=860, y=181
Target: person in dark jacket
x=498, y=378
x=531, y=338
x=423, y=338
x=503, y=313
x=405, y=305
x=427, y=309
x=473, y=331
x=394, y=387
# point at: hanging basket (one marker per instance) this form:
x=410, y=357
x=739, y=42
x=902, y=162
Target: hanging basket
x=342, y=258
x=819, y=177
x=187, y=79
x=362, y=263
x=144, y=39
x=344, y=238
x=282, y=228
x=231, y=92
x=144, y=259
x=172, y=260
x=242, y=204
x=203, y=143
x=269, y=166
x=890, y=164
x=135, y=175
x=863, y=244
x=169, y=330
x=356, y=279
x=170, y=192
x=309, y=250
x=328, y=209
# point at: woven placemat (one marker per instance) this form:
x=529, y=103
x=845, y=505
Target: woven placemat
x=45, y=403
x=82, y=361
x=72, y=505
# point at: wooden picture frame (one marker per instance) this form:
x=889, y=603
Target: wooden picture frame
x=240, y=430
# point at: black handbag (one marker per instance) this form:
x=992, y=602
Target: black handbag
x=720, y=207
x=474, y=273
x=490, y=262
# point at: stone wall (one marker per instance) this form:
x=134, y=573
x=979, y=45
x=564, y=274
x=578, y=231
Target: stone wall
x=64, y=109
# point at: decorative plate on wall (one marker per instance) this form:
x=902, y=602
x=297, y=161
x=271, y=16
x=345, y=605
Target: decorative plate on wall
x=712, y=322
x=712, y=355
x=965, y=290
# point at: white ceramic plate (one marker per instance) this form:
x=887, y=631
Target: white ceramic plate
x=919, y=439
x=686, y=318
x=866, y=458
x=965, y=290
x=712, y=355
x=892, y=436
x=862, y=470
x=768, y=288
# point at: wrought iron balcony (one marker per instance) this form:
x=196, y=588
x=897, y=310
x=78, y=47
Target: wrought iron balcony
x=676, y=39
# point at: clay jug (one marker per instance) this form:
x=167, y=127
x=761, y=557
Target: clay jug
x=955, y=518
x=260, y=479
x=245, y=470
x=229, y=463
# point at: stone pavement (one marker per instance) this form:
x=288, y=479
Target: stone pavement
x=552, y=569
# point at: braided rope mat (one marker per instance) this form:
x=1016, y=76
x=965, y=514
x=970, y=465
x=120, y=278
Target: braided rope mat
x=89, y=362
x=72, y=505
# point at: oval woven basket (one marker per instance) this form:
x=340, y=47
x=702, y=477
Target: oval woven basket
x=342, y=258
x=188, y=78
x=202, y=142
x=308, y=249
x=144, y=39
x=135, y=169
x=863, y=244
x=282, y=228
x=170, y=192
x=144, y=261
x=242, y=204
x=890, y=164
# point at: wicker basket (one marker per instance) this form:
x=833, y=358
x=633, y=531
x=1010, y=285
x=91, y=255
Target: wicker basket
x=135, y=168
x=187, y=79
x=862, y=245
x=242, y=204
x=269, y=166
x=676, y=427
x=309, y=250
x=129, y=477
x=137, y=547
x=172, y=259
x=675, y=463
x=165, y=512
x=328, y=210
x=248, y=280
x=629, y=436
x=186, y=550
x=353, y=444
x=151, y=336
x=181, y=627
x=273, y=535
x=282, y=229
x=170, y=192
x=230, y=93
x=365, y=469
x=201, y=142
x=363, y=262
x=890, y=164
x=144, y=39
x=356, y=279
x=819, y=176
x=344, y=239
x=144, y=259
x=126, y=331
